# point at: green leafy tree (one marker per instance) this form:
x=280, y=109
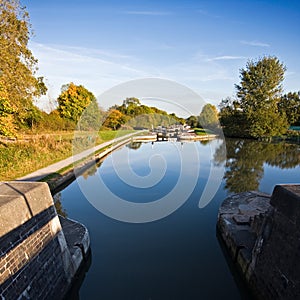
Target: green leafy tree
x=129, y=106
x=232, y=118
x=73, y=100
x=192, y=121
x=259, y=93
x=33, y=116
x=143, y=116
x=54, y=122
x=267, y=123
x=256, y=111
x=132, y=107
x=17, y=63
x=209, y=117
x=91, y=118
x=290, y=105
x=178, y=119
x=131, y=101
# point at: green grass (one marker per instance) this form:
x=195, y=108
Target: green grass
x=202, y=131
x=33, y=152
x=20, y=158
x=107, y=135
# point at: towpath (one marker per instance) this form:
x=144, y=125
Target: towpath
x=41, y=173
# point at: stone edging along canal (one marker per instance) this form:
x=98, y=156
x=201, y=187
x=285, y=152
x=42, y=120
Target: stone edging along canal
x=61, y=174
x=57, y=182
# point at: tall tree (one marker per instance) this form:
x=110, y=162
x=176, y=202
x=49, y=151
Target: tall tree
x=73, y=100
x=260, y=83
x=17, y=64
x=209, y=117
x=259, y=93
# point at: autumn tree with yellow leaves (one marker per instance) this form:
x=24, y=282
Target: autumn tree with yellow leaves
x=18, y=66
x=75, y=100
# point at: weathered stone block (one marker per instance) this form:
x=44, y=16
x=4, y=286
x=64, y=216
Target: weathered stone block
x=286, y=199
x=13, y=212
x=19, y=201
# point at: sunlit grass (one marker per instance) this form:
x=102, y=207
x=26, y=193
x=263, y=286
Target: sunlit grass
x=202, y=131
x=33, y=152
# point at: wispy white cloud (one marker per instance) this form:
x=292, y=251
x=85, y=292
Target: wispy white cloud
x=99, y=71
x=290, y=73
x=146, y=12
x=255, y=43
x=206, y=13
x=150, y=44
x=226, y=57
x=91, y=52
x=61, y=65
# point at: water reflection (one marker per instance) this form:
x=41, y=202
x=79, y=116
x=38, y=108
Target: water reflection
x=134, y=145
x=246, y=161
x=177, y=257
x=58, y=206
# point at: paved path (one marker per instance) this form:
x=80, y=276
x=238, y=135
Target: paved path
x=41, y=173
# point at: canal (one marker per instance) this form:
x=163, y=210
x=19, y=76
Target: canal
x=175, y=254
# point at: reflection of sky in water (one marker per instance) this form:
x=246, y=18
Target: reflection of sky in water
x=165, y=168
x=275, y=175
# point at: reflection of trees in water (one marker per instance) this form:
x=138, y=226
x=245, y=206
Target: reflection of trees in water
x=134, y=145
x=57, y=203
x=92, y=170
x=245, y=160
x=205, y=142
x=287, y=156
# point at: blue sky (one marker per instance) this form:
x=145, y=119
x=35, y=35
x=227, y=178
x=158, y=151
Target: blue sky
x=199, y=44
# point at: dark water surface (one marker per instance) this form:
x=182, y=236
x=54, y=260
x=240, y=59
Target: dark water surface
x=179, y=256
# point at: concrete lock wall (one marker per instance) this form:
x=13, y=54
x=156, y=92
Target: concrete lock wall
x=35, y=260
x=262, y=234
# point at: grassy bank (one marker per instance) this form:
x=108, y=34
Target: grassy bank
x=202, y=131
x=33, y=152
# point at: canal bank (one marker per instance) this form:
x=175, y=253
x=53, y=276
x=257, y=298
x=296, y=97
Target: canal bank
x=62, y=173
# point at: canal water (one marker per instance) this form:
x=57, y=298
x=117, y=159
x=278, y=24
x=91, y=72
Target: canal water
x=177, y=256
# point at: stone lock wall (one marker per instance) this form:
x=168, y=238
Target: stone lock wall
x=276, y=271
x=35, y=261
x=262, y=235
